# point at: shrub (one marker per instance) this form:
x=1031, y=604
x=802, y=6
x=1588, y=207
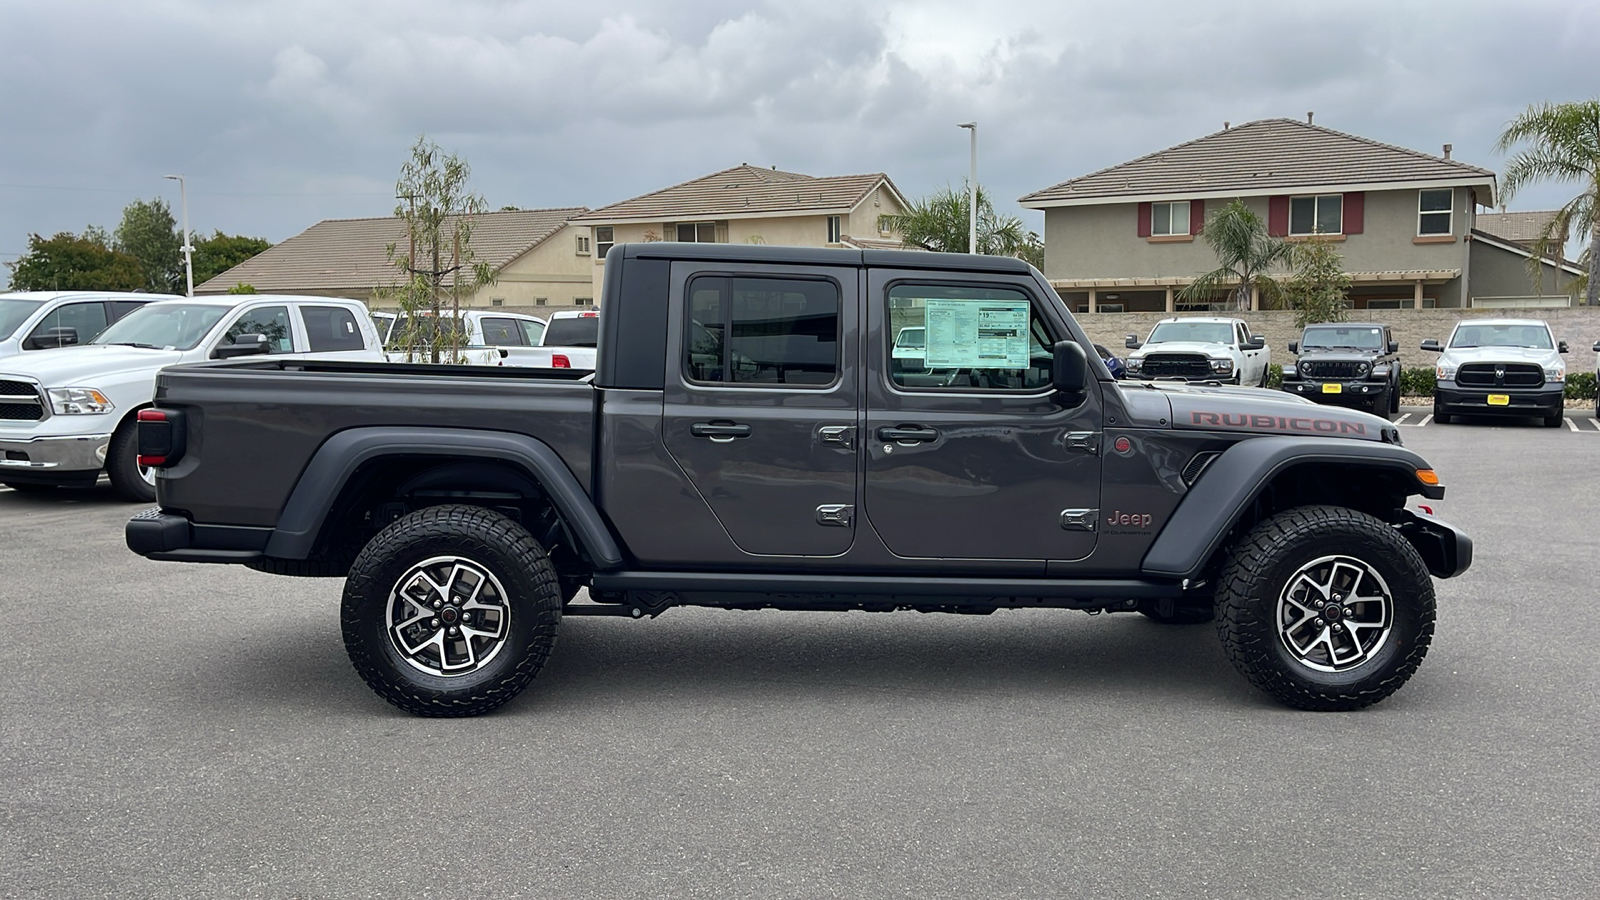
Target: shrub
x=1417, y=381
x=1581, y=385
x=1274, y=376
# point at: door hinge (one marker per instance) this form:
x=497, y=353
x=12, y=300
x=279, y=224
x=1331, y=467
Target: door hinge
x=1079, y=519
x=840, y=514
x=1087, y=441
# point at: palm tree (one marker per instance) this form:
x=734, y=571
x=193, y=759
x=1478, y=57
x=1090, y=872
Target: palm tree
x=1564, y=146
x=1245, y=252
x=940, y=223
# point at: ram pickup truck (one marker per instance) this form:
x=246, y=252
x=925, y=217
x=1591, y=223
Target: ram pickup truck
x=486, y=337
x=746, y=442
x=1197, y=348
x=1500, y=367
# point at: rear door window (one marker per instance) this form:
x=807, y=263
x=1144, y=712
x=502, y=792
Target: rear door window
x=498, y=332
x=331, y=328
x=762, y=331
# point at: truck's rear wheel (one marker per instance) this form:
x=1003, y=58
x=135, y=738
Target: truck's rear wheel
x=450, y=611
x=1325, y=608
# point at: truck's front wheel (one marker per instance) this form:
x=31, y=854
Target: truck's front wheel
x=450, y=611
x=1325, y=608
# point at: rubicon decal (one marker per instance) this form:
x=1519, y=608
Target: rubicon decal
x=1256, y=422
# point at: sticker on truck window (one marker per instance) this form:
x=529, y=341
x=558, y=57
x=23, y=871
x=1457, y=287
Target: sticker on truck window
x=976, y=334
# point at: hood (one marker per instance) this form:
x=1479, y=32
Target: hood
x=1459, y=355
x=1200, y=347
x=1196, y=407
x=1337, y=355
x=81, y=366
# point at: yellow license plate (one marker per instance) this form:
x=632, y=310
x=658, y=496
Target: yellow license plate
x=1499, y=399
x=1333, y=388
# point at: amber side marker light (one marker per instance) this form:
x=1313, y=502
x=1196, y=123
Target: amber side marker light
x=1427, y=476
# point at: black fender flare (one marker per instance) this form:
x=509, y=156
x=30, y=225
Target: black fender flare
x=1235, y=479
x=340, y=455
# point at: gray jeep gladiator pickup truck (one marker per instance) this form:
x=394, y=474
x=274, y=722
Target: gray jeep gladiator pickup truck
x=748, y=440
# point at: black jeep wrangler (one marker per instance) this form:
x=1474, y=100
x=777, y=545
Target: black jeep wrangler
x=1347, y=363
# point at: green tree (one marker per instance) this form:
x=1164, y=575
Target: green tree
x=220, y=252
x=1245, y=257
x=1319, y=288
x=69, y=262
x=941, y=222
x=149, y=234
x=436, y=264
x=1563, y=146
x=242, y=288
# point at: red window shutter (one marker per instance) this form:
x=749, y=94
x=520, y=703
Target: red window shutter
x=1144, y=220
x=1278, y=216
x=1355, y=211
x=1197, y=216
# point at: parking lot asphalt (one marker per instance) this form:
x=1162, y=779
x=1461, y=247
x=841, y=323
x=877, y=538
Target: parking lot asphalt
x=173, y=730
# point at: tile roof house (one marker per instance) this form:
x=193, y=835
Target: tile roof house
x=1125, y=238
x=543, y=260
x=1520, y=227
x=750, y=204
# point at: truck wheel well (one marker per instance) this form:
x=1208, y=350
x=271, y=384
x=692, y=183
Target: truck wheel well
x=384, y=489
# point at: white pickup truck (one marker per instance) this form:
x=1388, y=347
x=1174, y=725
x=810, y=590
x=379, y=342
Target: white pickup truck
x=43, y=320
x=1200, y=349
x=68, y=413
x=488, y=337
x=569, y=341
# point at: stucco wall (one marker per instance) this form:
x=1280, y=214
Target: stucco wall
x=1500, y=273
x=1578, y=326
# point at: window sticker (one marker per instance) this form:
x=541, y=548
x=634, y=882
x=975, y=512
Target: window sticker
x=977, y=334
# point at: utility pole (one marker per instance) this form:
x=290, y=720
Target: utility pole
x=188, y=248
x=972, y=190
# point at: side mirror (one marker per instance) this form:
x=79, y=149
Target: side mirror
x=1069, y=371
x=243, y=345
x=1131, y=342
x=1294, y=346
x=1255, y=343
x=1394, y=346
x=1432, y=346
x=53, y=337
x=1561, y=346
x=1597, y=346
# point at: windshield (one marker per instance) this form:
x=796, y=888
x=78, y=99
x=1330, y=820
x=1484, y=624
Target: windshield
x=577, y=331
x=1354, y=338
x=172, y=326
x=1536, y=337
x=14, y=313
x=1199, y=332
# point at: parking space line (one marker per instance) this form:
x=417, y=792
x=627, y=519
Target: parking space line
x=1571, y=423
x=1402, y=419
x=1419, y=423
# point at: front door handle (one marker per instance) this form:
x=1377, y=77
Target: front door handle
x=907, y=434
x=721, y=432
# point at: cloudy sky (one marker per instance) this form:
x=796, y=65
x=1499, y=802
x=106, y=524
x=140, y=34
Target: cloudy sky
x=285, y=112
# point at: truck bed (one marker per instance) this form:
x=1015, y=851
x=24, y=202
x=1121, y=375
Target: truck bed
x=265, y=418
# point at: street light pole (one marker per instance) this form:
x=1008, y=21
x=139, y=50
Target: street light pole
x=188, y=249
x=972, y=190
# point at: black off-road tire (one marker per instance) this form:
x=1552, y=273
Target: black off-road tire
x=1177, y=612
x=1443, y=418
x=1394, y=398
x=531, y=598
x=1251, y=607
x=1381, y=404
x=122, y=464
x=1555, y=421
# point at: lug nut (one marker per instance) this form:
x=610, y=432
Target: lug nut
x=1321, y=604
x=454, y=630
x=1320, y=621
x=1337, y=627
x=437, y=604
x=1349, y=611
x=434, y=622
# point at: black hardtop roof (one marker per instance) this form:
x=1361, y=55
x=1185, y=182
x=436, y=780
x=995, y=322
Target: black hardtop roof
x=764, y=253
x=1345, y=325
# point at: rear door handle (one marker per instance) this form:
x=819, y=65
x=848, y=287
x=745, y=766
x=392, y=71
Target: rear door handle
x=907, y=434
x=720, y=432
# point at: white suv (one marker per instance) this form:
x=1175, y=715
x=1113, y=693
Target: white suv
x=1200, y=349
x=1500, y=367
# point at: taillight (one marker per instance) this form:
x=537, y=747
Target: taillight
x=161, y=437
x=560, y=361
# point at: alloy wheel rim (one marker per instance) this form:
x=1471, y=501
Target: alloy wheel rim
x=1334, y=614
x=448, y=616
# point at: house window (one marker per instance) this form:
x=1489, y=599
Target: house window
x=1316, y=215
x=540, y=301
x=1169, y=218
x=583, y=301
x=603, y=240
x=884, y=226
x=583, y=245
x=697, y=232
x=833, y=229
x=1433, y=211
